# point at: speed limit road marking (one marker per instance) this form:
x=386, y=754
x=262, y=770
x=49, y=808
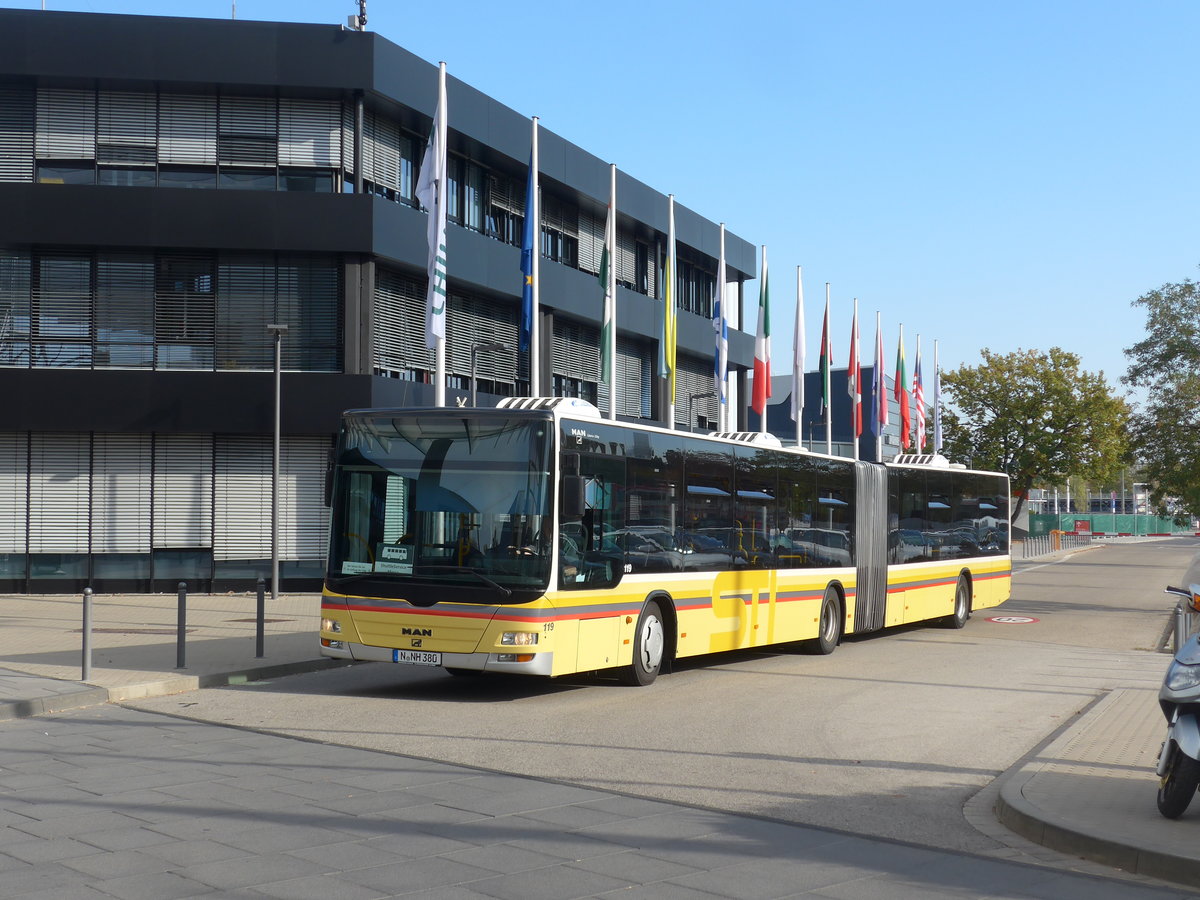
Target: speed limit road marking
x=1013, y=620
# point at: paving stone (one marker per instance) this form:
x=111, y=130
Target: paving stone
x=116, y=864
x=416, y=874
x=558, y=883
x=245, y=871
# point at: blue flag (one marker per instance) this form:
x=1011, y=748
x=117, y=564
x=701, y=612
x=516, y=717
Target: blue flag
x=528, y=248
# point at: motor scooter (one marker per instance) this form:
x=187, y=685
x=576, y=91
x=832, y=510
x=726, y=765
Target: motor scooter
x=1179, y=760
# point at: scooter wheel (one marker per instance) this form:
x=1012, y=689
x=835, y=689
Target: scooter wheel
x=1179, y=785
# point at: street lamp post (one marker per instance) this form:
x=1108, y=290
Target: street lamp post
x=486, y=347
x=703, y=395
x=277, y=331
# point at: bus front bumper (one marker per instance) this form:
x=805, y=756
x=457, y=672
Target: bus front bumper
x=513, y=663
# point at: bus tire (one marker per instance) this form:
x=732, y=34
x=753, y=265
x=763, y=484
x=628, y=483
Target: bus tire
x=962, y=605
x=829, y=626
x=649, y=645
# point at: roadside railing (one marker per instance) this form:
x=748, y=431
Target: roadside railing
x=1044, y=544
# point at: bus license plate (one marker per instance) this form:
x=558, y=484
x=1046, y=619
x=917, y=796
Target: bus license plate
x=417, y=657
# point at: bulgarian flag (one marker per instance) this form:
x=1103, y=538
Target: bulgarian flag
x=900, y=391
x=762, y=348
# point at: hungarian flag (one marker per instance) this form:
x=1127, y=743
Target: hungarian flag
x=762, y=348
x=900, y=391
x=854, y=378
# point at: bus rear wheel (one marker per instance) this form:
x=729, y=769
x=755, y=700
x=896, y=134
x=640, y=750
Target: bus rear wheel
x=829, y=626
x=649, y=642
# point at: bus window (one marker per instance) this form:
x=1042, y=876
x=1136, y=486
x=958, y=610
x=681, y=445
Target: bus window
x=653, y=504
x=705, y=537
x=833, y=522
x=755, y=507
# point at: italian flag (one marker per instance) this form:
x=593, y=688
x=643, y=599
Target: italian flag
x=762, y=348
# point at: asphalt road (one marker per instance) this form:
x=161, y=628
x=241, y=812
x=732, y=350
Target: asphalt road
x=890, y=736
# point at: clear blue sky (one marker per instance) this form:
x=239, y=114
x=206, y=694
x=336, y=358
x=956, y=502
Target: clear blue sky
x=990, y=175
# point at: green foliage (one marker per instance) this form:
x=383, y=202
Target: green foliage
x=1166, y=427
x=1036, y=416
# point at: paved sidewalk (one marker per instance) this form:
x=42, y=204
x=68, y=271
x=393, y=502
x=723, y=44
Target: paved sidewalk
x=1088, y=793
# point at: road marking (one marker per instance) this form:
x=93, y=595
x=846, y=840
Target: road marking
x=1013, y=620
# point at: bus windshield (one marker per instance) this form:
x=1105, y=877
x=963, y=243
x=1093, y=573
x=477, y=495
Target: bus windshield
x=421, y=502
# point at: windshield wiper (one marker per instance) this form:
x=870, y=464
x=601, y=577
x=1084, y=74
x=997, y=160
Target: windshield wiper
x=467, y=570
x=504, y=592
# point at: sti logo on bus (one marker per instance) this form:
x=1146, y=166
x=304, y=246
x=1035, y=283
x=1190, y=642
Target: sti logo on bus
x=423, y=632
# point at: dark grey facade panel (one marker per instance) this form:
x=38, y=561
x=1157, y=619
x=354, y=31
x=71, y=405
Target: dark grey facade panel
x=97, y=215
x=176, y=402
x=52, y=45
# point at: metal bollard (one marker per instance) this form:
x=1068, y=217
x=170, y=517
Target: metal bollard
x=181, y=628
x=87, y=635
x=1181, y=626
x=259, y=652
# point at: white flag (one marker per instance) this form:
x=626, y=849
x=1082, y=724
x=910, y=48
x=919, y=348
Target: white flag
x=431, y=191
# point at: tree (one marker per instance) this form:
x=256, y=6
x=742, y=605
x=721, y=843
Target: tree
x=1035, y=416
x=1166, y=363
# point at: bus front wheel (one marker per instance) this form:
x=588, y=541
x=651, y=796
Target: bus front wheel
x=829, y=626
x=649, y=642
x=962, y=605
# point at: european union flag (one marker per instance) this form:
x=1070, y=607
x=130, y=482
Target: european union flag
x=528, y=247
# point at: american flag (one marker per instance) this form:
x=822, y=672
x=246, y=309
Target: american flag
x=919, y=400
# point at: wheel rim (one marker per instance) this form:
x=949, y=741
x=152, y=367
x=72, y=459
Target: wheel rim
x=960, y=601
x=829, y=620
x=651, y=644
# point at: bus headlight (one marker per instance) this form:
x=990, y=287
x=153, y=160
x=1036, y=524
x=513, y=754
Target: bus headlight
x=519, y=638
x=331, y=625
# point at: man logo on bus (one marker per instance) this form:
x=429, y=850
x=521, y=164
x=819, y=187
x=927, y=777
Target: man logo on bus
x=423, y=632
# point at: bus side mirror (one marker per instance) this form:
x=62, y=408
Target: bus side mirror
x=572, y=496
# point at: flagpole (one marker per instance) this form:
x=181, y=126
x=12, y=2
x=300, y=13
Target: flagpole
x=443, y=179
x=610, y=293
x=854, y=372
x=937, y=401
x=880, y=388
x=827, y=387
x=535, y=362
x=669, y=326
x=798, y=361
x=721, y=367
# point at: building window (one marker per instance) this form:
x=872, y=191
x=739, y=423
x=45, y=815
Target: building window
x=66, y=173
x=177, y=177
x=139, y=176
x=184, y=312
x=565, y=386
x=247, y=179
x=314, y=180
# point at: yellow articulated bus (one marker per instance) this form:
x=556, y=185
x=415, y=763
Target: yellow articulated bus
x=539, y=538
